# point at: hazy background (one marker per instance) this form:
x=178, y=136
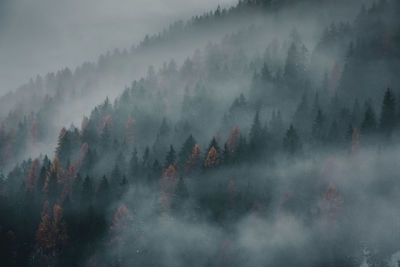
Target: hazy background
x=45, y=35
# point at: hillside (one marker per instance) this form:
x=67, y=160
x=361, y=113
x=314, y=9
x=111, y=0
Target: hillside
x=266, y=134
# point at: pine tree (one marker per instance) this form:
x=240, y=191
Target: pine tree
x=103, y=196
x=388, y=114
x=214, y=144
x=368, y=126
x=33, y=177
x=134, y=167
x=170, y=159
x=164, y=128
x=186, y=151
x=51, y=187
x=64, y=146
x=105, y=137
x=257, y=137
x=318, y=126
x=87, y=192
x=291, y=142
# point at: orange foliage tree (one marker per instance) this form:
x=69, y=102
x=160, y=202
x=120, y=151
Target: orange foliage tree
x=52, y=232
x=33, y=175
x=168, y=184
x=213, y=159
x=194, y=160
x=84, y=123
x=233, y=140
x=107, y=121
x=121, y=222
x=53, y=178
x=82, y=153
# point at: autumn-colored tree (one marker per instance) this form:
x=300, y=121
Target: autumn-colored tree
x=82, y=154
x=34, y=173
x=121, y=222
x=52, y=179
x=106, y=122
x=194, y=160
x=213, y=159
x=52, y=231
x=130, y=131
x=168, y=183
x=233, y=140
x=84, y=123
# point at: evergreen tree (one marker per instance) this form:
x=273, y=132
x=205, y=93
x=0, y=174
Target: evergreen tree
x=214, y=144
x=368, y=125
x=105, y=138
x=186, y=151
x=388, y=114
x=257, y=137
x=291, y=142
x=87, y=192
x=103, y=194
x=170, y=159
x=134, y=167
x=318, y=127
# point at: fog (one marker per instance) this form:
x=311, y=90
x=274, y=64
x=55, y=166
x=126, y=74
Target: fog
x=43, y=35
x=264, y=134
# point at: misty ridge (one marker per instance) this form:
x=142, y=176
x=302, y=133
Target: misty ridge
x=265, y=133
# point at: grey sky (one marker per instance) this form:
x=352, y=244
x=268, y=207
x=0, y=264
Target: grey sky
x=38, y=36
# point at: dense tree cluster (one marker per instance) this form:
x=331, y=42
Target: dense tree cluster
x=169, y=149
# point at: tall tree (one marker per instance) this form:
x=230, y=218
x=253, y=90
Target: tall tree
x=186, y=151
x=170, y=159
x=388, y=114
x=291, y=142
x=194, y=161
x=213, y=159
x=368, y=125
x=52, y=232
x=318, y=127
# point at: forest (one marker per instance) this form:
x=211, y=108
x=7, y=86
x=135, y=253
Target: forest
x=266, y=133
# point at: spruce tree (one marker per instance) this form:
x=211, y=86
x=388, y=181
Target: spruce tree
x=368, y=125
x=388, y=114
x=170, y=159
x=291, y=142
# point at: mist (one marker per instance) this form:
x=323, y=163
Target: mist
x=41, y=36
x=249, y=133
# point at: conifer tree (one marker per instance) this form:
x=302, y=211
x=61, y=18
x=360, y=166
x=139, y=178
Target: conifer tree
x=170, y=159
x=291, y=142
x=388, y=113
x=213, y=159
x=368, y=125
x=186, y=151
